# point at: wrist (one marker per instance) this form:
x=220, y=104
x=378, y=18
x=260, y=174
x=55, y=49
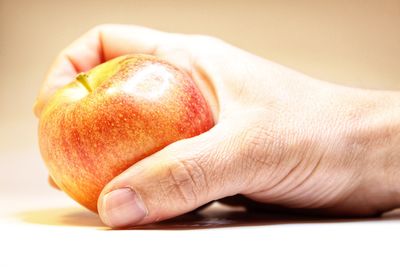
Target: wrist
x=375, y=137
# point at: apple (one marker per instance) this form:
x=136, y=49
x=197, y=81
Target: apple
x=114, y=115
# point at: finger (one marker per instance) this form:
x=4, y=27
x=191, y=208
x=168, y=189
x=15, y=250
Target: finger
x=180, y=178
x=96, y=46
x=52, y=183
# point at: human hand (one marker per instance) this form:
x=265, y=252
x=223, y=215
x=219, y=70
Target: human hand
x=280, y=137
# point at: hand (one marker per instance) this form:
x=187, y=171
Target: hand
x=281, y=137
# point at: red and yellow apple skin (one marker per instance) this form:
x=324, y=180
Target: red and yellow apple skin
x=111, y=117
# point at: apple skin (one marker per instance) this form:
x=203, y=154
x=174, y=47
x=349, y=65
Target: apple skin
x=111, y=117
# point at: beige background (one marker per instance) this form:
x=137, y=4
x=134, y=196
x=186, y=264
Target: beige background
x=351, y=42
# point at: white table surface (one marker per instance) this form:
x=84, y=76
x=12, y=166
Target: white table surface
x=40, y=226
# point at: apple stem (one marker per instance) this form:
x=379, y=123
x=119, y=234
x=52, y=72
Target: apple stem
x=82, y=78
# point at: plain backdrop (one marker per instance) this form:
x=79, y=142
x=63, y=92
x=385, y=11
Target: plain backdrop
x=351, y=42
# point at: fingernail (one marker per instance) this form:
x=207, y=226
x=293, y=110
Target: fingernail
x=122, y=207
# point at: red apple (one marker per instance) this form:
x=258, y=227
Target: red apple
x=116, y=114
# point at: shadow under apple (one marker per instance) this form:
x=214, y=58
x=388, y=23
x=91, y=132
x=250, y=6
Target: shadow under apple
x=68, y=216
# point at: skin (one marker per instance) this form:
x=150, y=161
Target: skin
x=113, y=116
x=280, y=138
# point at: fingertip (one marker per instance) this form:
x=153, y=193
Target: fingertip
x=121, y=208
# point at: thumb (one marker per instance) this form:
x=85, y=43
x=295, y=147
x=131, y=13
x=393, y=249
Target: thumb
x=182, y=177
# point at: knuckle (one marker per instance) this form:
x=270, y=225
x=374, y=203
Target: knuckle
x=186, y=180
x=101, y=27
x=168, y=49
x=260, y=156
x=271, y=152
x=204, y=40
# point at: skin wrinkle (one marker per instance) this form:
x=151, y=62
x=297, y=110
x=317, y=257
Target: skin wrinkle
x=291, y=178
x=262, y=156
x=257, y=142
x=321, y=197
x=179, y=184
x=195, y=175
x=205, y=189
x=228, y=167
x=156, y=195
x=323, y=164
x=303, y=184
x=291, y=173
x=253, y=179
x=341, y=187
